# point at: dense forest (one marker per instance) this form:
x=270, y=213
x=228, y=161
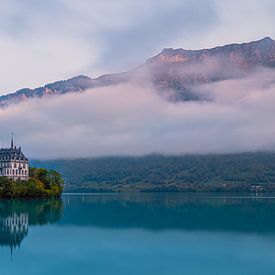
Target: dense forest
x=42, y=183
x=236, y=172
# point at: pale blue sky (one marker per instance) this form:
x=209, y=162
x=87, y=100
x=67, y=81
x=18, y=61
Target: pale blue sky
x=44, y=41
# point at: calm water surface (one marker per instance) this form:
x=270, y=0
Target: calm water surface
x=138, y=234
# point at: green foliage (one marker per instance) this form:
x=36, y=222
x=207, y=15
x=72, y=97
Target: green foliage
x=42, y=183
x=236, y=172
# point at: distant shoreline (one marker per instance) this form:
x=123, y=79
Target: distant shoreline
x=200, y=190
x=244, y=173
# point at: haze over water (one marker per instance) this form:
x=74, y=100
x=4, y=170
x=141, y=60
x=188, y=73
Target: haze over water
x=139, y=234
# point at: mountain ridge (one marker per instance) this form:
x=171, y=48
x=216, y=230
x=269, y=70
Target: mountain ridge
x=177, y=70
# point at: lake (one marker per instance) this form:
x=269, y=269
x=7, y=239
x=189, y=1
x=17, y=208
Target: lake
x=138, y=234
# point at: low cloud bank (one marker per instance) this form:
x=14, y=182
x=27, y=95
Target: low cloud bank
x=134, y=120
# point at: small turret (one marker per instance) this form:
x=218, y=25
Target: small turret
x=13, y=163
x=12, y=140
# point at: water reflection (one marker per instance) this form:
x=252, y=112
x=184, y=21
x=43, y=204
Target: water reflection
x=17, y=215
x=172, y=211
x=13, y=229
x=153, y=212
x=139, y=234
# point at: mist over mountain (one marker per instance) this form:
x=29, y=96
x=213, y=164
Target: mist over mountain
x=176, y=73
x=216, y=101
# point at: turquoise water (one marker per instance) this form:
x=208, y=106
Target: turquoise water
x=138, y=234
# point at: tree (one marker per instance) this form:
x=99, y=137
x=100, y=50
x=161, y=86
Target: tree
x=42, y=183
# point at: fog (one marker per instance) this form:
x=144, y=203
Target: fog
x=135, y=120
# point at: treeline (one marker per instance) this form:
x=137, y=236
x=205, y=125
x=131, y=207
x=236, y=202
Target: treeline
x=238, y=172
x=42, y=183
x=40, y=211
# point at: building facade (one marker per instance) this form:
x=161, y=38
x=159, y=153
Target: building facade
x=13, y=163
x=13, y=229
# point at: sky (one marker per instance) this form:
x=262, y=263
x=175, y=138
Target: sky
x=45, y=41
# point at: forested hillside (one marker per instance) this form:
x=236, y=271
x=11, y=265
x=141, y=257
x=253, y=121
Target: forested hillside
x=237, y=172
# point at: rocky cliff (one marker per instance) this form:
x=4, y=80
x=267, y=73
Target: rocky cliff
x=176, y=70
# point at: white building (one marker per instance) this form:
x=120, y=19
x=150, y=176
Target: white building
x=13, y=229
x=13, y=163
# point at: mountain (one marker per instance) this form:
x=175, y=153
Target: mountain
x=232, y=172
x=181, y=70
x=176, y=70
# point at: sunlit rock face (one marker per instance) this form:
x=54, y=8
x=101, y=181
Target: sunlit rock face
x=180, y=69
x=75, y=84
x=261, y=52
x=175, y=70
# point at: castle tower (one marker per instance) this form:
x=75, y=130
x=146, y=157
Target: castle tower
x=11, y=140
x=13, y=163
